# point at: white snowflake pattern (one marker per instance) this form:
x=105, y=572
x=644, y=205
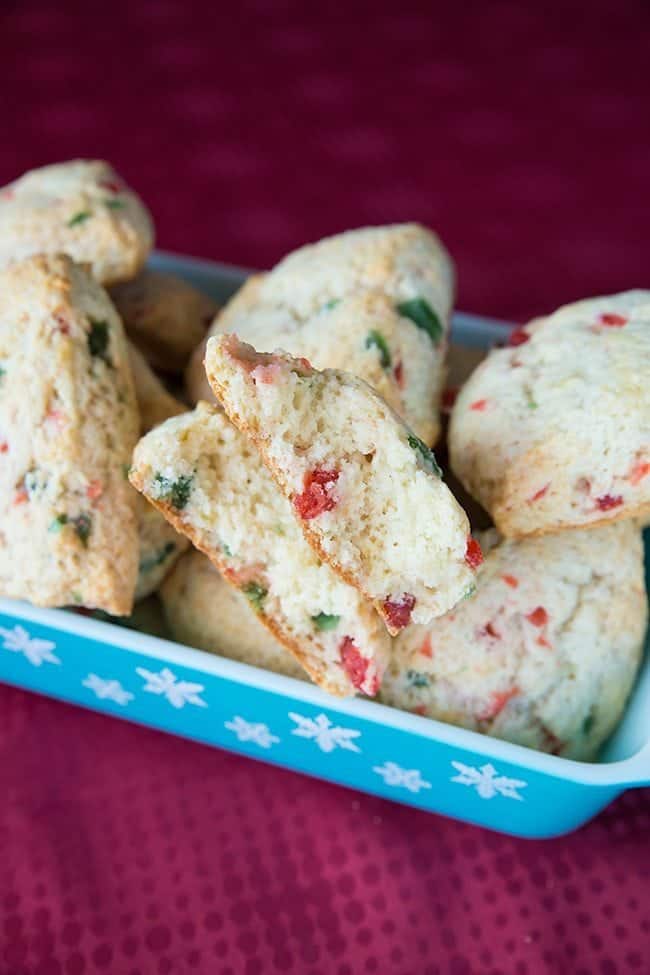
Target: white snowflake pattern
x=407, y=778
x=326, y=735
x=487, y=781
x=35, y=650
x=178, y=692
x=107, y=689
x=258, y=733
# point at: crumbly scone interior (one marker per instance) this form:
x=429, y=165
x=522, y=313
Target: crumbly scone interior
x=207, y=473
x=388, y=522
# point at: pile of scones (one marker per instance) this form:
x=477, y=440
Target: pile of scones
x=266, y=468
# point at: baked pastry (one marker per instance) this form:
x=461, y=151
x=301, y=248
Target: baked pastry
x=68, y=425
x=545, y=653
x=160, y=544
x=80, y=208
x=164, y=316
x=160, y=547
x=366, y=491
x=155, y=403
x=204, y=611
x=207, y=480
x=553, y=431
x=375, y=302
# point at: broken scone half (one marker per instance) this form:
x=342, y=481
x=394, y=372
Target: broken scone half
x=207, y=479
x=366, y=491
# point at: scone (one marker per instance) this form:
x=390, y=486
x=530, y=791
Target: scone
x=375, y=302
x=147, y=617
x=160, y=543
x=160, y=547
x=553, y=431
x=80, y=208
x=462, y=360
x=207, y=479
x=155, y=403
x=204, y=611
x=544, y=654
x=366, y=491
x=164, y=316
x=68, y=425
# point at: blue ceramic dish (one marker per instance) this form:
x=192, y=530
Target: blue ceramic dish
x=357, y=743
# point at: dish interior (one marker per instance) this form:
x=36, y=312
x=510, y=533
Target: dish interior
x=633, y=732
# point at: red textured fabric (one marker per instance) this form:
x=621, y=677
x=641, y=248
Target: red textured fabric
x=520, y=131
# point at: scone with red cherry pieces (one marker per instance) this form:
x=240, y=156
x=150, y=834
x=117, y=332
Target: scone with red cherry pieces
x=547, y=650
x=80, y=208
x=164, y=316
x=68, y=425
x=208, y=481
x=366, y=491
x=553, y=431
x=375, y=302
x=204, y=611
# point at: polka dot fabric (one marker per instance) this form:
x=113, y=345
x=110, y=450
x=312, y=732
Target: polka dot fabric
x=524, y=141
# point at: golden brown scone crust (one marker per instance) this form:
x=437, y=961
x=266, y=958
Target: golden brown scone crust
x=80, y=208
x=69, y=422
x=165, y=317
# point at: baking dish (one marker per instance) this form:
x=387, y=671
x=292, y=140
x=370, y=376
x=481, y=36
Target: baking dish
x=357, y=743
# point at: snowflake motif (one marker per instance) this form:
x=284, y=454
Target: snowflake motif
x=487, y=782
x=259, y=734
x=36, y=651
x=407, y=778
x=107, y=690
x=178, y=692
x=326, y=735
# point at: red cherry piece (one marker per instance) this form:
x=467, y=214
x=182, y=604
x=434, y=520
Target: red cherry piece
x=490, y=630
x=638, y=472
x=510, y=581
x=608, y=501
x=478, y=405
x=518, y=336
x=420, y=709
x=111, y=186
x=449, y=398
x=398, y=612
x=316, y=498
x=538, y=617
x=247, y=573
x=356, y=667
x=498, y=701
x=612, y=319
x=94, y=491
x=539, y=494
x=473, y=553
x=266, y=375
x=4, y=447
x=398, y=372
x=426, y=649
x=62, y=325
x=552, y=743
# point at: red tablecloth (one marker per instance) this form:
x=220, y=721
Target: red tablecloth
x=521, y=132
